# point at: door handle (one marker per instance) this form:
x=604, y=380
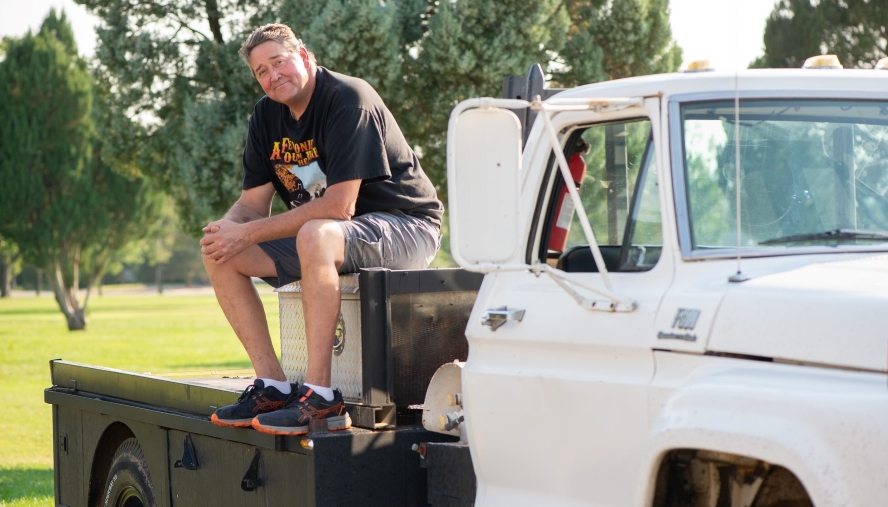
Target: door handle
x=496, y=317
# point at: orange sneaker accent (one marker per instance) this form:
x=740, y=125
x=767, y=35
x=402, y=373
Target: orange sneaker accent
x=219, y=422
x=258, y=427
x=264, y=405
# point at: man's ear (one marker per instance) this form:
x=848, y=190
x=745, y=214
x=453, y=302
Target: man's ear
x=303, y=53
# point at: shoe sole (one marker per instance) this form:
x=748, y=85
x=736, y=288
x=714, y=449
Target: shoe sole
x=233, y=423
x=335, y=423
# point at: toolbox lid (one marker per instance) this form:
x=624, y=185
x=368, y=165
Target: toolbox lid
x=348, y=284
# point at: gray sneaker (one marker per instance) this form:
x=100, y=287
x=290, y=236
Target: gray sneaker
x=256, y=399
x=296, y=416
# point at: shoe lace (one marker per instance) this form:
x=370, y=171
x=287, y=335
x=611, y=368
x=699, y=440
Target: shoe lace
x=294, y=398
x=246, y=394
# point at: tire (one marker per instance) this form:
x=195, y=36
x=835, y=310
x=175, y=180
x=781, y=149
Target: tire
x=128, y=483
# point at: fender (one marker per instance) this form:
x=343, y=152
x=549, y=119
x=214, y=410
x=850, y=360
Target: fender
x=819, y=423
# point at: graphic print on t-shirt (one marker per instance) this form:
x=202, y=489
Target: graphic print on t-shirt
x=300, y=172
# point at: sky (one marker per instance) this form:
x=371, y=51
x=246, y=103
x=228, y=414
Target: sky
x=728, y=33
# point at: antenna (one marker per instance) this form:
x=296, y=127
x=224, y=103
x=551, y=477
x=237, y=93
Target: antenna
x=739, y=276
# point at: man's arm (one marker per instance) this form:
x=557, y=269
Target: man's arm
x=226, y=238
x=253, y=204
x=337, y=203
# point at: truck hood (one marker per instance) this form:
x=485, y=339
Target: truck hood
x=829, y=313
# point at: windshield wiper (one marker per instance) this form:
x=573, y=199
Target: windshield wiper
x=835, y=234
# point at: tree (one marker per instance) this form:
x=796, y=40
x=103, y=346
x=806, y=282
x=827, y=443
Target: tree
x=10, y=264
x=175, y=73
x=612, y=40
x=62, y=204
x=854, y=30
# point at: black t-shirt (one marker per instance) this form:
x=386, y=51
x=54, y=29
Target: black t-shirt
x=346, y=133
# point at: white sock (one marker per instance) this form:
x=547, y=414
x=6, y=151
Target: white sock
x=281, y=385
x=325, y=392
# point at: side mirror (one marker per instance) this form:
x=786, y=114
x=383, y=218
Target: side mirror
x=483, y=160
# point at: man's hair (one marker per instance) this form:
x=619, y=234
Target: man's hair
x=277, y=32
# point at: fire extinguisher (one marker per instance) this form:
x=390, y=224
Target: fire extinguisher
x=565, y=210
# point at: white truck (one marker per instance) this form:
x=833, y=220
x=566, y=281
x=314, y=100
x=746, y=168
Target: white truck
x=693, y=320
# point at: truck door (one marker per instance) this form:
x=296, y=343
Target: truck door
x=557, y=401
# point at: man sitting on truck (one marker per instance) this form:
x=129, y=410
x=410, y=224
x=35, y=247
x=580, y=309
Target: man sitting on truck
x=356, y=198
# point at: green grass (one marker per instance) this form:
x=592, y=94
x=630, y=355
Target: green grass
x=150, y=333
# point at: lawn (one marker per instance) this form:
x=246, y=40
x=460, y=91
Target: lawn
x=140, y=333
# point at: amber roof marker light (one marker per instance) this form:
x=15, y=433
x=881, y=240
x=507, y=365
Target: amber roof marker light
x=823, y=62
x=697, y=66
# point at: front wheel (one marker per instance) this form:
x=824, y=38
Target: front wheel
x=128, y=483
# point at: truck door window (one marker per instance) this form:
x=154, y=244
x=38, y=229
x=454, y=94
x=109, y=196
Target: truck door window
x=614, y=170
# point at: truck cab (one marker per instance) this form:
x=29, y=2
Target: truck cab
x=684, y=277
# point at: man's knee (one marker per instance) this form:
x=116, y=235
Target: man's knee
x=249, y=263
x=320, y=240
x=215, y=269
x=209, y=264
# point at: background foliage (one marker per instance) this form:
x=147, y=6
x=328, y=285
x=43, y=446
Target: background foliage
x=183, y=97
x=854, y=30
x=73, y=212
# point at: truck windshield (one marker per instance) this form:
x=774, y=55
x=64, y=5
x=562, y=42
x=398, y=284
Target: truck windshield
x=812, y=172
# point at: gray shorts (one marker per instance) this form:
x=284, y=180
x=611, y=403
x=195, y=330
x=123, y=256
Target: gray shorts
x=384, y=239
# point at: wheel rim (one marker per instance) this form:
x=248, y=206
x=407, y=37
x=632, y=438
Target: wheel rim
x=129, y=497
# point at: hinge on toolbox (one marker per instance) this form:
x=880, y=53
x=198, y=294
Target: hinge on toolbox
x=251, y=479
x=189, y=456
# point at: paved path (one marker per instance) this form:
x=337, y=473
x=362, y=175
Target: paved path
x=142, y=290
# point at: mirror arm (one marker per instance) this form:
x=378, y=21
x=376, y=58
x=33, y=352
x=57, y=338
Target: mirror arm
x=613, y=303
x=575, y=197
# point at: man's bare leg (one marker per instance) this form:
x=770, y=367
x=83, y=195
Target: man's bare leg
x=242, y=307
x=321, y=247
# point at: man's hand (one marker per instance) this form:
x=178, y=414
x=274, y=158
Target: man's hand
x=223, y=239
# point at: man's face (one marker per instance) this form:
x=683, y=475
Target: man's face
x=282, y=74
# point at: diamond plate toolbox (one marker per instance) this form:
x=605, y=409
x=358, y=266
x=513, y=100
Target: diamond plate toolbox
x=347, y=355
x=396, y=327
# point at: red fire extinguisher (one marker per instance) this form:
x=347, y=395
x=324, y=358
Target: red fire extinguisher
x=565, y=210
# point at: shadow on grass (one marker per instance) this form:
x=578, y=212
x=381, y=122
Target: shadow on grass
x=31, y=311
x=25, y=483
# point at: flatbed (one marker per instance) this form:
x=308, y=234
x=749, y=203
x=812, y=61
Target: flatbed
x=96, y=409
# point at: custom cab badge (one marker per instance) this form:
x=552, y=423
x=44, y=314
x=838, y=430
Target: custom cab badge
x=685, y=319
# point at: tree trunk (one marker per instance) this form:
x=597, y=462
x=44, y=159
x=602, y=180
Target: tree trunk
x=67, y=301
x=76, y=321
x=5, y=278
x=39, y=281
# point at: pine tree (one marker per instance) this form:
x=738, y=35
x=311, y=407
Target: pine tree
x=854, y=30
x=616, y=39
x=61, y=203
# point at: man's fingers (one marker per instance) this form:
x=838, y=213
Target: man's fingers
x=212, y=227
x=212, y=250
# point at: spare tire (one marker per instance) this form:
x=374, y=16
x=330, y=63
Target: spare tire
x=128, y=483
